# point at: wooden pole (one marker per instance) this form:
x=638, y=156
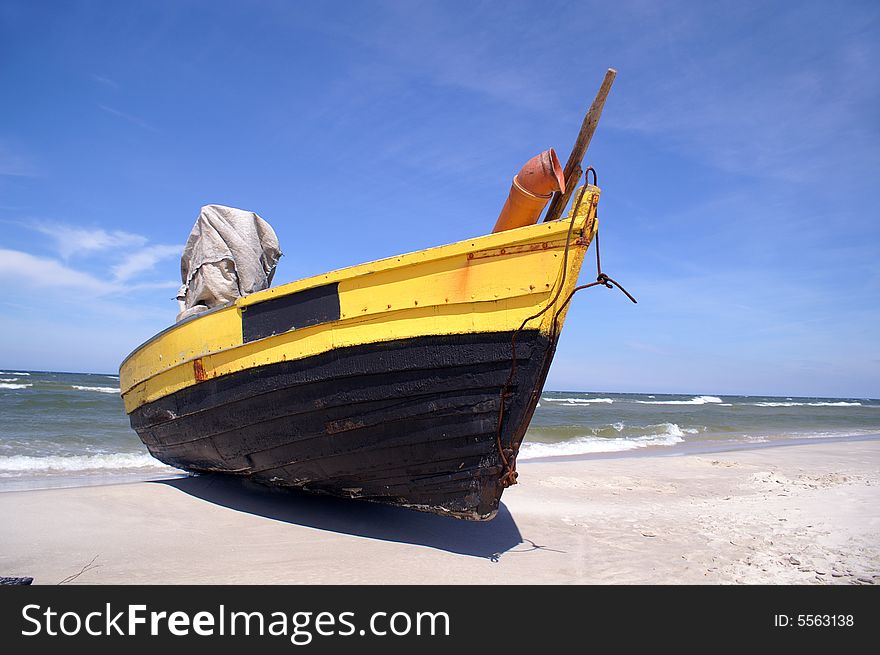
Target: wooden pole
x=572, y=170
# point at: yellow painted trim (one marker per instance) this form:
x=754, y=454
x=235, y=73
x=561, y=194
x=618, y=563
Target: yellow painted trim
x=487, y=284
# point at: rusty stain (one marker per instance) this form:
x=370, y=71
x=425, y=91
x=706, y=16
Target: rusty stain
x=199, y=370
x=513, y=250
x=342, y=425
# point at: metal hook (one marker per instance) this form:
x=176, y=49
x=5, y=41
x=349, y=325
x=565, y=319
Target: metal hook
x=587, y=176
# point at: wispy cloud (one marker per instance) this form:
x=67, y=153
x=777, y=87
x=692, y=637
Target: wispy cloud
x=783, y=117
x=132, y=252
x=24, y=270
x=134, y=120
x=462, y=53
x=15, y=164
x=143, y=260
x=72, y=241
x=104, y=80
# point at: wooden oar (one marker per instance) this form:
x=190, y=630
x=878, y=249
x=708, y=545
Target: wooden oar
x=572, y=170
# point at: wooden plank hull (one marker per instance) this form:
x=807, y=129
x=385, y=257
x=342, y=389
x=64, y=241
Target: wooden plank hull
x=411, y=422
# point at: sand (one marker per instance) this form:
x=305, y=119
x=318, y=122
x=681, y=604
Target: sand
x=795, y=514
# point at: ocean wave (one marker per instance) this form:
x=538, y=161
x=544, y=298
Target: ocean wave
x=777, y=404
x=99, y=389
x=7, y=385
x=578, y=401
x=840, y=404
x=72, y=463
x=696, y=400
x=14, y=373
x=671, y=435
x=8, y=379
x=796, y=404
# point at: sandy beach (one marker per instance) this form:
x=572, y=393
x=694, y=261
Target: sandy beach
x=806, y=514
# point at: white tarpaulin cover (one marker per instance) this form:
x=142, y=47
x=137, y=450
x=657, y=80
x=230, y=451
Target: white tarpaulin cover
x=229, y=253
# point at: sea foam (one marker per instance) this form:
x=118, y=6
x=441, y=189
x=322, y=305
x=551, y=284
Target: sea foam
x=98, y=389
x=796, y=404
x=696, y=400
x=840, y=404
x=578, y=401
x=7, y=385
x=778, y=404
x=670, y=435
x=57, y=463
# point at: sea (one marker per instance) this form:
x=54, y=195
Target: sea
x=70, y=429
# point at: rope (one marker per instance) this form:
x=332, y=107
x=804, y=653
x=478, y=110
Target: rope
x=509, y=474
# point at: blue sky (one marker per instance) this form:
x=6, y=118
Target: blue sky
x=738, y=157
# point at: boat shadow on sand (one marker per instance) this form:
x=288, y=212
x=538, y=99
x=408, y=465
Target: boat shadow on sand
x=489, y=539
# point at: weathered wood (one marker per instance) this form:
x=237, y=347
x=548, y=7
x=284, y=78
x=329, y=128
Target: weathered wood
x=573, y=166
x=410, y=422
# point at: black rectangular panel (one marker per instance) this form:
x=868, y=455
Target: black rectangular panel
x=293, y=311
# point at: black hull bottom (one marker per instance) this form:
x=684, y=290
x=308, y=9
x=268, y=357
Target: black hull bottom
x=410, y=422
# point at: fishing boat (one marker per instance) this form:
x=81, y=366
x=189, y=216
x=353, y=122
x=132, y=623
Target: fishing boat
x=409, y=380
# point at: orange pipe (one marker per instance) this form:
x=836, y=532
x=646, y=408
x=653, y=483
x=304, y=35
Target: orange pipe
x=530, y=191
